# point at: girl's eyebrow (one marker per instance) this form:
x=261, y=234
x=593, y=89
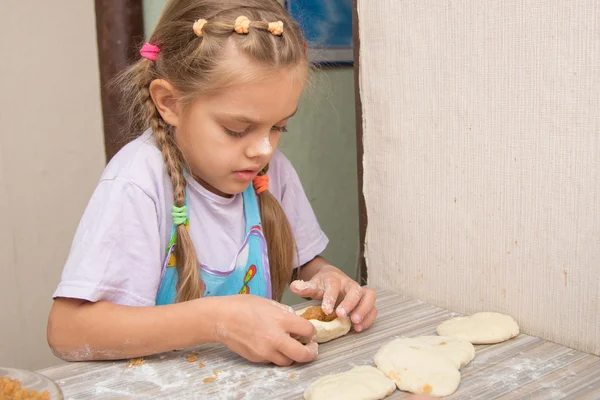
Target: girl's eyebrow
x=249, y=120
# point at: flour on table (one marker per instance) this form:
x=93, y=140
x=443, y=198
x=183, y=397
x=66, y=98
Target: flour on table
x=480, y=328
x=360, y=383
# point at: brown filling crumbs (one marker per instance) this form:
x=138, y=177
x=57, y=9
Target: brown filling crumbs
x=10, y=389
x=316, y=312
x=136, y=362
x=212, y=378
x=426, y=389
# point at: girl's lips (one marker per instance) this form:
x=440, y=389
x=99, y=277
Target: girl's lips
x=246, y=175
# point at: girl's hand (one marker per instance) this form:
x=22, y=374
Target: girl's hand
x=328, y=284
x=259, y=330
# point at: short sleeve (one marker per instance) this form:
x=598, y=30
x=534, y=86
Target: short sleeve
x=116, y=254
x=310, y=239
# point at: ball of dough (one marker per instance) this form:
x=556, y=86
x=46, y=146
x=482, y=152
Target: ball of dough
x=427, y=364
x=359, y=383
x=480, y=328
x=328, y=327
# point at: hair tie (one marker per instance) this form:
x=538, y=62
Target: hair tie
x=276, y=28
x=242, y=25
x=198, y=25
x=149, y=51
x=261, y=183
x=180, y=215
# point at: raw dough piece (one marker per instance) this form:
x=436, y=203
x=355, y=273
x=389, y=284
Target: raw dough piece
x=359, y=383
x=480, y=328
x=327, y=328
x=460, y=351
x=427, y=364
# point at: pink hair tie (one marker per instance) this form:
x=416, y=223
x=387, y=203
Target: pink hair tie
x=149, y=51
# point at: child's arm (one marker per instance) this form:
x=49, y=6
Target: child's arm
x=253, y=327
x=322, y=281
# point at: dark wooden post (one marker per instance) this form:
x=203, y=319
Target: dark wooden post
x=362, y=209
x=119, y=31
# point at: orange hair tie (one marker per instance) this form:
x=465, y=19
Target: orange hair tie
x=261, y=183
x=242, y=25
x=276, y=28
x=197, y=27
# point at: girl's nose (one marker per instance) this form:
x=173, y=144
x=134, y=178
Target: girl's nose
x=260, y=147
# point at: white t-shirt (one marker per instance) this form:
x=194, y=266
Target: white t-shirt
x=119, y=247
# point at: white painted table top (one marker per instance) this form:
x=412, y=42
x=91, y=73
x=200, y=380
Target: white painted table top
x=524, y=367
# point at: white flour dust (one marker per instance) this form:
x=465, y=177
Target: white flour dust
x=512, y=373
x=124, y=381
x=265, y=146
x=217, y=374
x=282, y=306
x=303, y=285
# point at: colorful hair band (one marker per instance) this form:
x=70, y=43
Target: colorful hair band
x=149, y=51
x=261, y=183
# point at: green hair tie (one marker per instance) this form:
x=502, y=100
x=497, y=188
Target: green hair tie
x=180, y=215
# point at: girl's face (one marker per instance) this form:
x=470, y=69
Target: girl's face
x=229, y=137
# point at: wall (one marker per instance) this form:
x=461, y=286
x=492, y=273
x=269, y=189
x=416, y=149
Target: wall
x=482, y=158
x=321, y=144
x=51, y=155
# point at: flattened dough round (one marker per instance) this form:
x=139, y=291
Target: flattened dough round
x=359, y=383
x=460, y=351
x=426, y=364
x=480, y=328
x=327, y=331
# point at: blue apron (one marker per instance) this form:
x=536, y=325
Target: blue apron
x=248, y=274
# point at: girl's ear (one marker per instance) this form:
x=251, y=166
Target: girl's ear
x=164, y=96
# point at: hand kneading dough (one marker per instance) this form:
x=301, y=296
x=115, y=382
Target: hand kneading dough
x=427, y=364
x=360, y=383
x=480, y=328
x=326, y=330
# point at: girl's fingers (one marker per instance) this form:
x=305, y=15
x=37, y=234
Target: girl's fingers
x=353, y=295
x=367, y=321
x=296, y=351
x=330, y=295
x=280, y=359
x=366, y=304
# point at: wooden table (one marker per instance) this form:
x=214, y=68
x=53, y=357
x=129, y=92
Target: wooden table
x=522, y=368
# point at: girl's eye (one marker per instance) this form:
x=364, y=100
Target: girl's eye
x=280, y=128
x=234, y=133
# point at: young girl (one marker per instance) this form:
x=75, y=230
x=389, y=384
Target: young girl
x=198, y=225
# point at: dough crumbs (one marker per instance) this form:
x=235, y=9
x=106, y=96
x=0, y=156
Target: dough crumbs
x=192, y=357
x=443, y=343
x=415, y=347
x=201, y=365
x=426, y=389
x=316, y=312
x=11, y=389
x=212, y=378
x=136, y=362
x=292, y=376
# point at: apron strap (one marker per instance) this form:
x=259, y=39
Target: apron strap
x=251, y=209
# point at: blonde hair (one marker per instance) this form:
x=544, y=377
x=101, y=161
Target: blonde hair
x=191, y=59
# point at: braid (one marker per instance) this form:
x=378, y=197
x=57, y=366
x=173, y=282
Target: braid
x=281, y=246
x=190, y=285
